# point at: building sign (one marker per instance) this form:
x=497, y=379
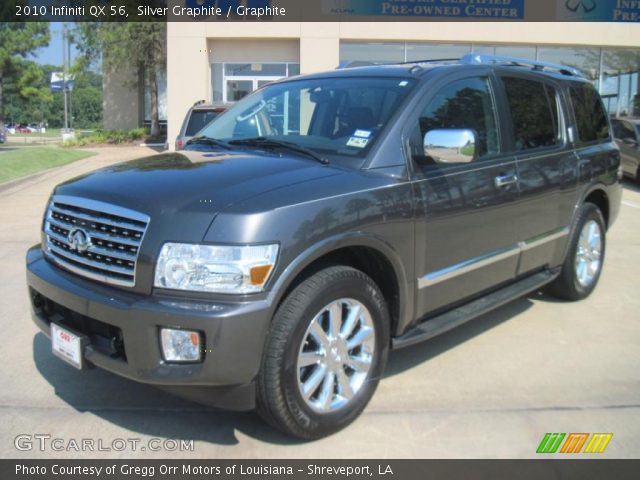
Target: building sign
x=599, y=10
x=58, y=80
x=468, y=9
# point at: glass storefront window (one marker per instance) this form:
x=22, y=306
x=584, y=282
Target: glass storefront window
x=255, y=69
x=484, y=49
x=619, y=77
x=217, y=83
x=518, y=51
x=618, y=80
x=231, y=82
x=430, y=51
x=587, y=60
x=372, y=52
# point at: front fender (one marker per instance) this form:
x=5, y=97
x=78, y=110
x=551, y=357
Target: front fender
x=406, y=287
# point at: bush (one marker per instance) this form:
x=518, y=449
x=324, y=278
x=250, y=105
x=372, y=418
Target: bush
x=113, y=137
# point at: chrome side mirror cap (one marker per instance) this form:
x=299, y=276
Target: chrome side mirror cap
x=450, y=145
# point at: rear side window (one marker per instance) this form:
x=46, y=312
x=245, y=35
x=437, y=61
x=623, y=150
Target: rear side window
x=534, y=113
x=198, y=120
x=591, y=117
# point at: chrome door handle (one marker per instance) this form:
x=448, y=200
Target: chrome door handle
x=504, y=180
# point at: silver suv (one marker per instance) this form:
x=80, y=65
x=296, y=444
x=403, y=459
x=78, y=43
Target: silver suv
x=198, y=116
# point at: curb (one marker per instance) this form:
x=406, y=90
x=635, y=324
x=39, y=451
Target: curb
x=18, y=181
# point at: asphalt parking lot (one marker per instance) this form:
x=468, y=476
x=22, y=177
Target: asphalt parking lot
x=489, y=389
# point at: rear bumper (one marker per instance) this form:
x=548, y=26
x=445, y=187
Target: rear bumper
x=123, y=330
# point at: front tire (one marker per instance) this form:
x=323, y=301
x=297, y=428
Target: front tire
x=325, y=353
x=582, y=267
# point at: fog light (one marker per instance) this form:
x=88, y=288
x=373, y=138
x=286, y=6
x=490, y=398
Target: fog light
x=180, y=345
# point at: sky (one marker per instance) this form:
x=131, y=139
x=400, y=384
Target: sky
x=52, y=54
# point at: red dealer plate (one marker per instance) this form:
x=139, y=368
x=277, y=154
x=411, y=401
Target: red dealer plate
x=67, y=345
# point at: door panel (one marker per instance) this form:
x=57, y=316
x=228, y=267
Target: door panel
x=547, y=168
x=548, y=196
x=466, y=215
x=467, y=236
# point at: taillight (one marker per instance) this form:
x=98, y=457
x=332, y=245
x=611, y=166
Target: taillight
x=179, y=144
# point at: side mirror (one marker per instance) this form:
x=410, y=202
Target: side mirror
x=450, y=145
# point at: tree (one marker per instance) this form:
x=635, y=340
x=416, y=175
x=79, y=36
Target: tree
x=132, y=46
x=18, y=41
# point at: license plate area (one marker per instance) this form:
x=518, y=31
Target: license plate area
x=68, y=345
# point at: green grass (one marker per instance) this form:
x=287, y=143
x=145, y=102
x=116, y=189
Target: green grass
x=469, y=150
x=27, y=160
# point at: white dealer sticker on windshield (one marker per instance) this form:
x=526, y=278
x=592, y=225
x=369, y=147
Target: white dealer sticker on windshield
x=362, y=133
x=357, y=142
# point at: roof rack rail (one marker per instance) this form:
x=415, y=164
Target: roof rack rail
x=481, y=59
x=355, y=63
x=367, y=63
x=429, y=60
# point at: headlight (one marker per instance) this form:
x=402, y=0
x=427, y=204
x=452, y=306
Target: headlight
x=211, y=268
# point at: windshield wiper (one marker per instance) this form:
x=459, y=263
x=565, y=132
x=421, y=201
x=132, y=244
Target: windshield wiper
x=204, y=140
x=269, y=143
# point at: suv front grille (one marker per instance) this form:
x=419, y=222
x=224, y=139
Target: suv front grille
x=94, y=239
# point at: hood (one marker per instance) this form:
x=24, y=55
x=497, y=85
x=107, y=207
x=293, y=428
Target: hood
x=192, y=182
x=183, y=192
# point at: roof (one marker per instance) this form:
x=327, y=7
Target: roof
x=419, y=68
x=202, y=105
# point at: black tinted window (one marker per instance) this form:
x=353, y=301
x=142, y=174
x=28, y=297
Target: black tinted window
x=591, y=118
x=464, y=104
x=198, y=120
x=534, y=113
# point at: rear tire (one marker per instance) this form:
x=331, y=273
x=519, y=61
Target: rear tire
x=583, y=265
x=325, y=353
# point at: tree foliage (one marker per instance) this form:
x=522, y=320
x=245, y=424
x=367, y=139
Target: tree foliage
x=131, y=46
x=17, y=77
x=85, y=100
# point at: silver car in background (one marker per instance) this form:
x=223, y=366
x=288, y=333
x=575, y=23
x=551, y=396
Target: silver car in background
x=198, y=116
x=627, y=135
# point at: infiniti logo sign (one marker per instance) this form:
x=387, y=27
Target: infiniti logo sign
x=79, y=240
x=587, y=5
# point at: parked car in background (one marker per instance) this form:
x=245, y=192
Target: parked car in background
x=23, y=128
x=36, y=128
x=198, y=117
x=3, y=135
x=627, y=134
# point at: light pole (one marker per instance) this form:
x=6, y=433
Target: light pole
x=64, y=77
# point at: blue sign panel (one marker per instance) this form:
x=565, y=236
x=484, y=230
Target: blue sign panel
x=469, y=9
x=599, y=10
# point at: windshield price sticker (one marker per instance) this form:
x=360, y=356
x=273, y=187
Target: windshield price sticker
x=357, y=142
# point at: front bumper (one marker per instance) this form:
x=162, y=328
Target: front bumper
x=123, y=330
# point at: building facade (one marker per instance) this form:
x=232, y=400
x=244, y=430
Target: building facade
x=221, y=61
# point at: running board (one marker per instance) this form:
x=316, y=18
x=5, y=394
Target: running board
x=453, y=318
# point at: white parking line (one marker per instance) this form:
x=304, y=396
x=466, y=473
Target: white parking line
x=631, y=204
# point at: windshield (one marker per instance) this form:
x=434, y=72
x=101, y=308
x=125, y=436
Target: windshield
x=339, y=117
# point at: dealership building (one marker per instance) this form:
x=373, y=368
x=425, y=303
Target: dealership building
x=224, y=61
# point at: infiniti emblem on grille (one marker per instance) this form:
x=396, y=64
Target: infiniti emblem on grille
x=79, y=240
